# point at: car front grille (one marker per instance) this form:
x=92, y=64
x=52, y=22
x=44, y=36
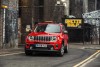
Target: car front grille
x=42, y=38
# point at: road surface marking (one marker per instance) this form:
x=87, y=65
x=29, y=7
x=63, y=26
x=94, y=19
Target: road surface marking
x=11, y=54
x=88, y=59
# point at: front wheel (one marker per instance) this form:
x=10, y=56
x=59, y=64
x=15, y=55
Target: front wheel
x=61, y=51
x=66, y=49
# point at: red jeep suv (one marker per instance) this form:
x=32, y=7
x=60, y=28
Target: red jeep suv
x=47, y=37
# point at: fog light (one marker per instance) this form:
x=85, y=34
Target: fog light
x=51, y=48
x=27, y=46
x=56, y=45
x=30, y=47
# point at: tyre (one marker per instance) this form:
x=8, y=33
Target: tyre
x=28, y=53
x=66, y=49
x=61, y=51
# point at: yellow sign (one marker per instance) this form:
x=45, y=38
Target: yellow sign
x=73, y=22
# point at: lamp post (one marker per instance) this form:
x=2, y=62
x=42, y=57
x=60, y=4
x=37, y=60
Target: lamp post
x=4, y=16
x=85, y=6
x=66, y=6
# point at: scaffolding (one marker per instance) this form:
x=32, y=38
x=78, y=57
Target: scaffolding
x=93, y=18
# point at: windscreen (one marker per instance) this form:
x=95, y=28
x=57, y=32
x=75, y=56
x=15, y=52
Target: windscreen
x=50, y=28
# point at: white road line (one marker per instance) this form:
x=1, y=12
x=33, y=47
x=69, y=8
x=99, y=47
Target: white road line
x=89, y=59
x=11, y=54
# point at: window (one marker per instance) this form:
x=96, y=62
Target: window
x=50, y=28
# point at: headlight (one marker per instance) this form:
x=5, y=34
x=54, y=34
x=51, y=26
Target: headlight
x=31, y=37
x=54, y=38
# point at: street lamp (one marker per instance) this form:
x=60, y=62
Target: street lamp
x=4, y=16
x=63, y=0
x=58, y=3
x=66, y=6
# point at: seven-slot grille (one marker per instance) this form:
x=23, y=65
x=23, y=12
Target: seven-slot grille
x=42, y=38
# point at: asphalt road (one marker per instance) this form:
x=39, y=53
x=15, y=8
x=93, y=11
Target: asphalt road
x=95, y=62
x=46, y=60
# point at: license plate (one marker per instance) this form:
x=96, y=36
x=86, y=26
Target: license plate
x=41, y=45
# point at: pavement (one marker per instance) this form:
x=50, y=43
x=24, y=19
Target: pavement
x=85, y=46
x=11, y=50
x=71, y=45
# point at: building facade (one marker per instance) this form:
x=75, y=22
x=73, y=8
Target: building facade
x=25, y=13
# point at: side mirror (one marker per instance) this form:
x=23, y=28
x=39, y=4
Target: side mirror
x=65, y=32
x=30, y=31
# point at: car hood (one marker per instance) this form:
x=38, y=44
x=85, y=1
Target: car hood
x=44, y=34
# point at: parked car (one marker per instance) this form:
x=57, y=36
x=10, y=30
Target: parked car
x=48, y=37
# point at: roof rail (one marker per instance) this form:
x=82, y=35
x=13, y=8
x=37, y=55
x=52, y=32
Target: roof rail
x=45, y=22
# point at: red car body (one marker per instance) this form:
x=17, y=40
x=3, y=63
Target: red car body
x=54, y=38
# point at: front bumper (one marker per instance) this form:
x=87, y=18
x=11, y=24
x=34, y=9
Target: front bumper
x=41, y=50
x=49, y=48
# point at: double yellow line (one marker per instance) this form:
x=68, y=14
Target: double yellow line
x=86, y=60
